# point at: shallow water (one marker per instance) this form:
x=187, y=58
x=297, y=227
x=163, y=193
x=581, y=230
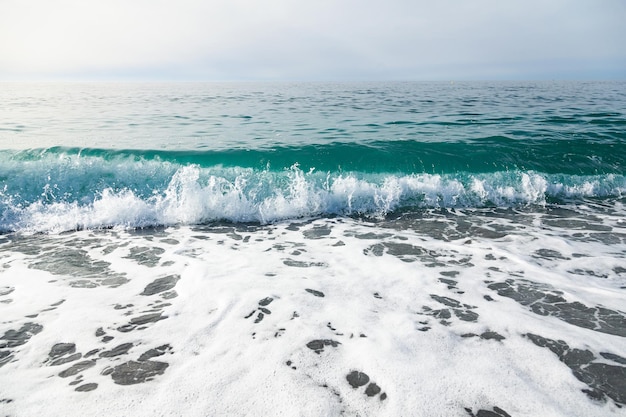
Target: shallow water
x=439, y=313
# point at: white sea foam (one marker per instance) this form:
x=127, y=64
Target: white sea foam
x=250, y=301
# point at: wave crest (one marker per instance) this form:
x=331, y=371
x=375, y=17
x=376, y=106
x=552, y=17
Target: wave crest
x=142, y=195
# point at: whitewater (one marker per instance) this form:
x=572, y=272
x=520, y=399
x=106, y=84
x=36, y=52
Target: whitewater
x=313, y=249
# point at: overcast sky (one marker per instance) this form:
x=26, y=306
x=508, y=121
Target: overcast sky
x=217, y=40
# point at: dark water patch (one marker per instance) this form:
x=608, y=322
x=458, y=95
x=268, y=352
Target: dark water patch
x=68, y=359
x=146, y=256
x=147, y=318
x=76, y=368
x=377, y=249
x=91, y=353
x=139, y=322
x=491, y=223
x=110, y=248
x=588, y=272
x=228, y=228
x=265, y=301
x=25, y=245
x=546, y=301
x=576, y=224
x=5, y=357
x=315, y=292
x=112, y=282
x=440, y=314
x=170, y=241
x=488, y=335
x=368, y=235
x=87, y=387
x=449, y=282
x=491, y=335
x=303, y=264
x=157, y=306
x=447, y=301
x=6, y=291
x=613, y=238
x=603, y=380
x=134, y=372
x=613, y=357
x=293, y=227
x=318, y=345
x=357, y=379
x=549, y=254
x=168, y=295
x=161, y=284
x=83, y=283
x=76, y=263
x=19, y=337
x=406, y=253
x=117, y=351
x=155, y=352
x=149, y=232
x=77, y=380
x=466, y=315
x=262, y=310
x=317, y=232
x=61, y=349
x=494, y=412
x=372, y=390
x=461, y=311
x=260, y=316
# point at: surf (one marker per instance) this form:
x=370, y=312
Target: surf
x=59, y=189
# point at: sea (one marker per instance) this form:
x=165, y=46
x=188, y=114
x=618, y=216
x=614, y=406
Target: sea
x=313, y=249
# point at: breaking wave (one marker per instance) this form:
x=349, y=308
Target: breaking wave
x=58, y=191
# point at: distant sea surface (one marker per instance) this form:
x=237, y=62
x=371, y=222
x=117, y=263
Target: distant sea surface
x=398, y=248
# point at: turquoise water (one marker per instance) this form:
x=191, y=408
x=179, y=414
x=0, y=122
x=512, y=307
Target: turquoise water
x=266, y=152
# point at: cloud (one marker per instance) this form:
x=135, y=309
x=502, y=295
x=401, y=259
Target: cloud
x=286, y=39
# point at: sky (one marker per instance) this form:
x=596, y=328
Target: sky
x=296, y=40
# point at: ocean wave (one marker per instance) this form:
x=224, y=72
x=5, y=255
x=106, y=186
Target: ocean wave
x=75, y=192
x=582, y=156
